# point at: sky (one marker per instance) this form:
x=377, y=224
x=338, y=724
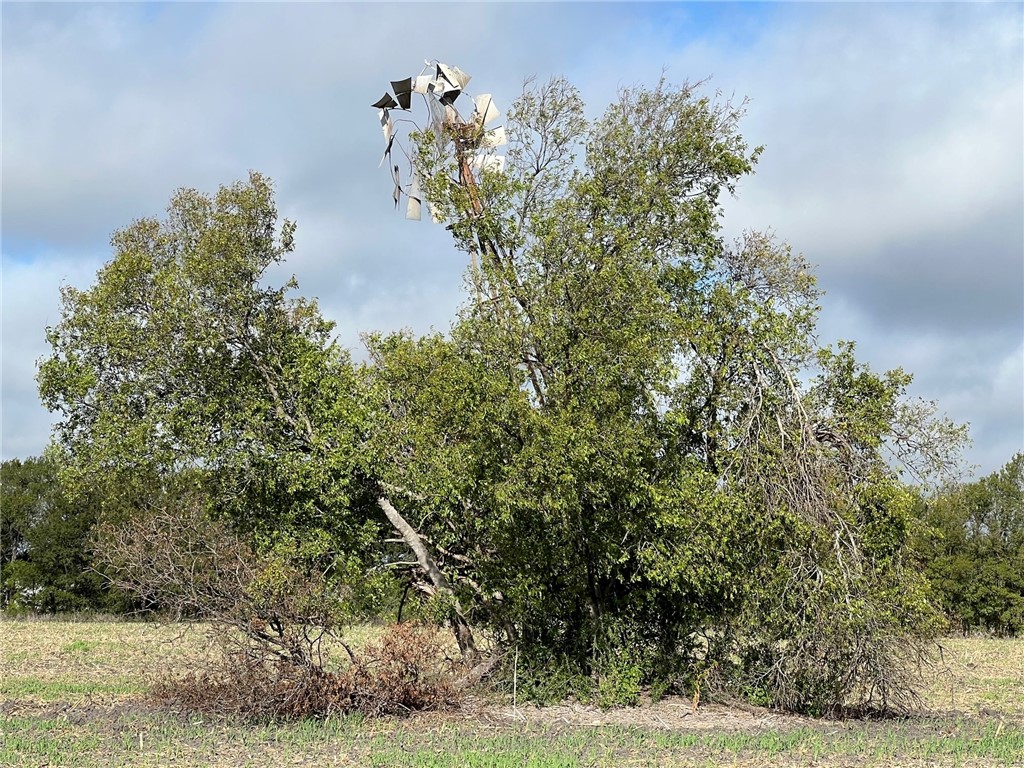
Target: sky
x=893, y=135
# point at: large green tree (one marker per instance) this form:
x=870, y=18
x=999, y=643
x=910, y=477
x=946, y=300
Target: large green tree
x=629, y=460
x=180, y=357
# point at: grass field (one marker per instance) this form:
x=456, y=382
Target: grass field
x=74, y=694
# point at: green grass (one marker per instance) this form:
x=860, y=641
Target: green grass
x=55, y=689
x=73, y=694
x=76, y=646
x=155, y=739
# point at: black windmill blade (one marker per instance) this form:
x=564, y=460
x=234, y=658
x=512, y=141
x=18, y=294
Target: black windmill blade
x=448, y=97
x=403, y=92
x=386, y=101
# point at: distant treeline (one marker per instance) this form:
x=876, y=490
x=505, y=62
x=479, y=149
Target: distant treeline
x=971, y=545
x=969, y=541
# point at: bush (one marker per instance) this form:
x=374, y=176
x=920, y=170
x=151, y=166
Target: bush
x=619, y=674
x=276, y=610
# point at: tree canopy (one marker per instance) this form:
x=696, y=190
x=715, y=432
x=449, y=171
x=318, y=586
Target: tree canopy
x=629, y=459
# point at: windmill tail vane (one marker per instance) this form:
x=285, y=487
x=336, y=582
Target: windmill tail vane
x=441, y=86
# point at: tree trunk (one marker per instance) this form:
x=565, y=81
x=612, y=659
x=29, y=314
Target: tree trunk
x=463, y=631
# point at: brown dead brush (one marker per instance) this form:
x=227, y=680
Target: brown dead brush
x=275, y=617
x=403, y=672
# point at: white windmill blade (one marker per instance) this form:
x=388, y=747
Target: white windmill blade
x=386, y=124
x=439, y=86
x=485, y=108
x=412, y=209
x=422, y=84
x=483, y=161
x=453, y=75
x=494, y=138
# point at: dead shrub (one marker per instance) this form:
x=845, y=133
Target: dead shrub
x=401, y=673
x=404, y=671
x=250, y=688
x=275, y=615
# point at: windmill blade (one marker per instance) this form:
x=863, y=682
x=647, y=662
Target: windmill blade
x=439, y=86
x=449, y=96
x=422, y=84
x=386, y=125
x=492, y=139
x=385, y=102
x=387, y=151
x=483, y=161
x=403, y=92
x=412, y=210
x=485, y=108
x=453, y=75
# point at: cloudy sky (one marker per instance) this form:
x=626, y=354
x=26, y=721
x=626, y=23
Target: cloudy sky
x=894, y=157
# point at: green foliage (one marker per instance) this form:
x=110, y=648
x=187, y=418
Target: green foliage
x=669, y=445
x=620, y=674
x=972, y=545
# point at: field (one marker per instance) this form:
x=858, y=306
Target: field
x=75, y=694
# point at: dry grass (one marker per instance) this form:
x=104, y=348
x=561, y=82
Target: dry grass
x=74, y=694
x=979, y=676
x=94, y=656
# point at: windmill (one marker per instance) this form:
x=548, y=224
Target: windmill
x=449, y=119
